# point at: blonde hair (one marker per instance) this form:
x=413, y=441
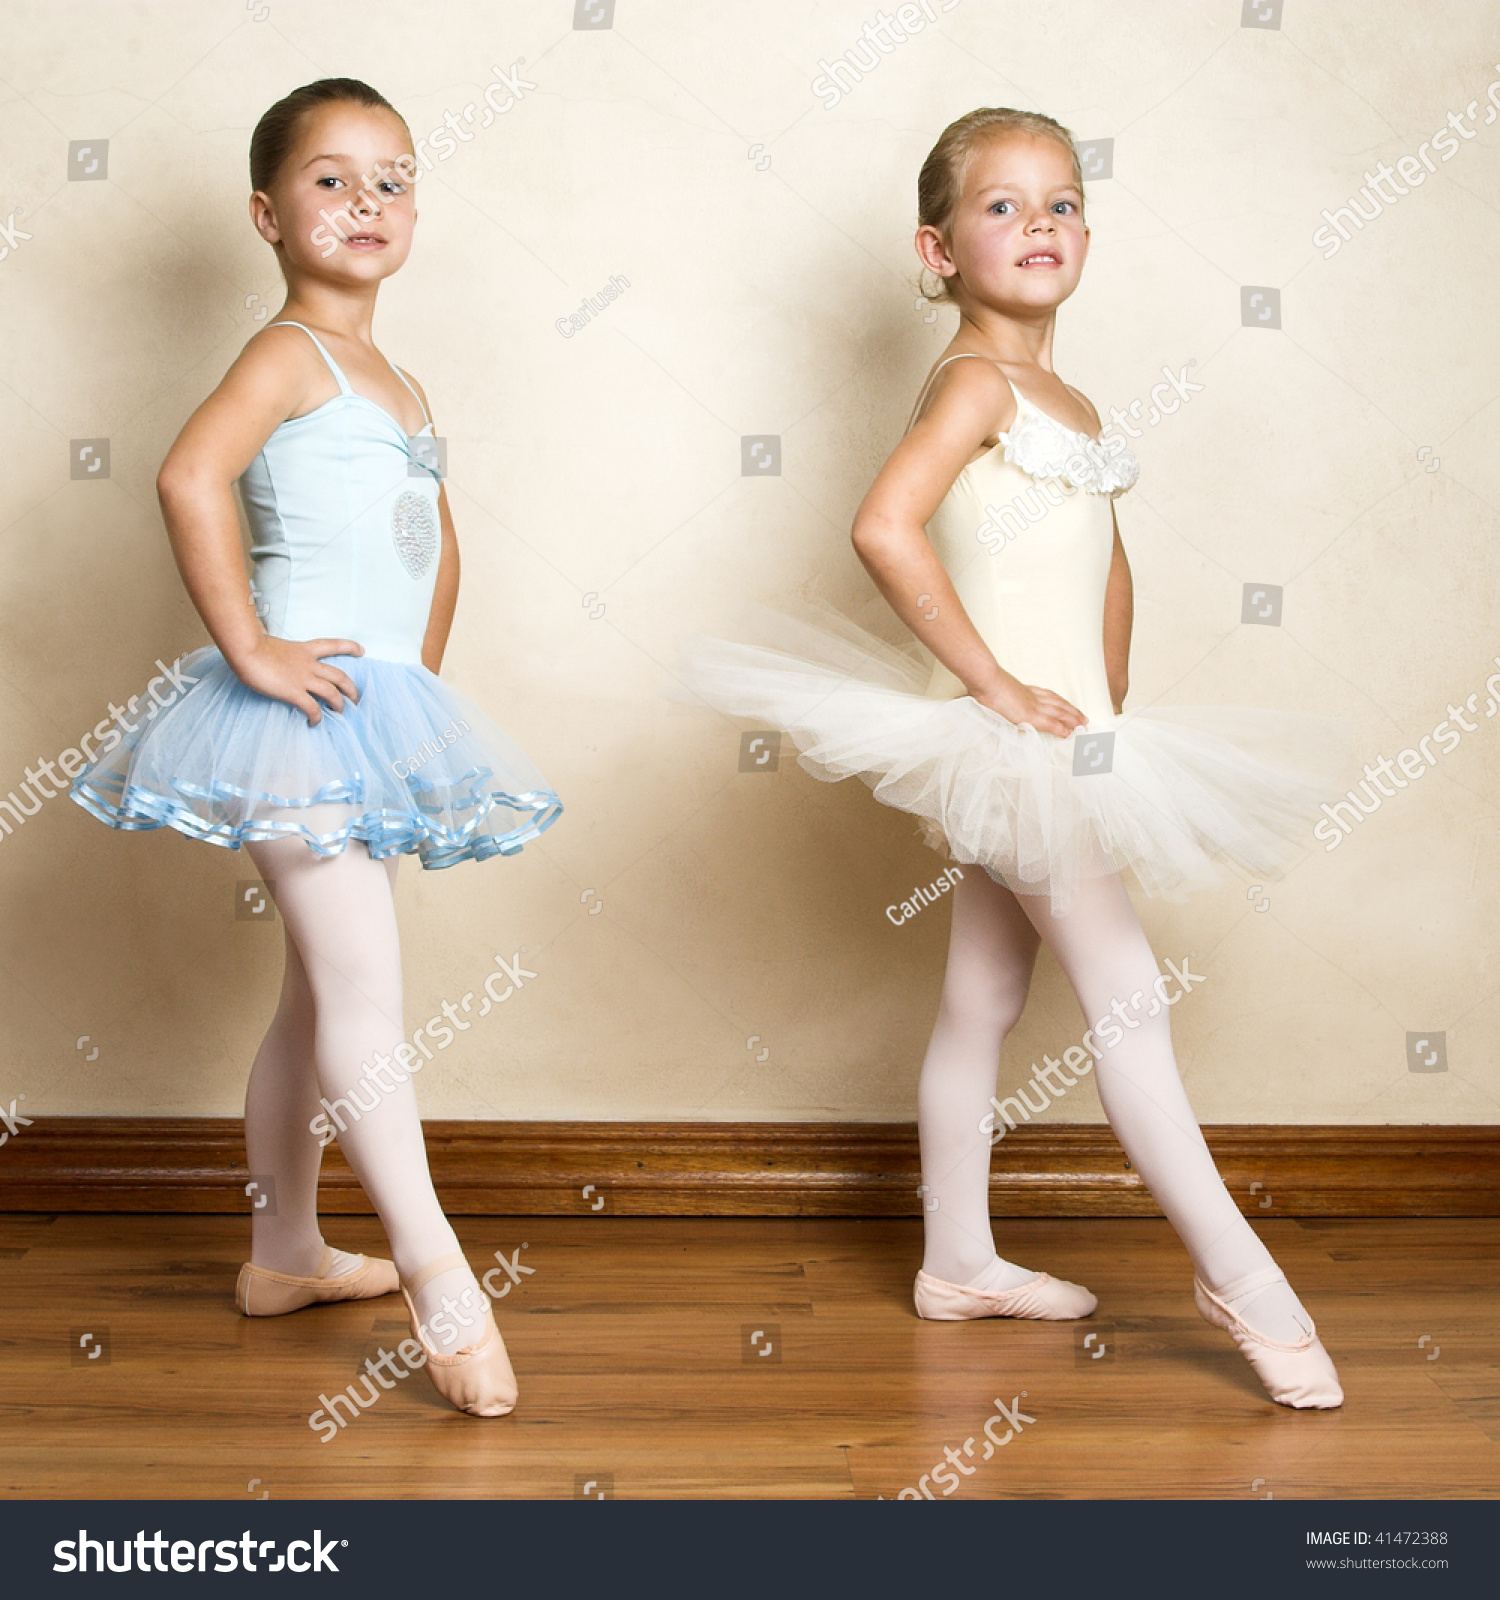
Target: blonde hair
x=941, y=180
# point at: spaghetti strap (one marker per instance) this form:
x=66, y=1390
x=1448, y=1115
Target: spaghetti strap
x=959, y=356
x=415, y=396
x=333, y=365
x=343, y=382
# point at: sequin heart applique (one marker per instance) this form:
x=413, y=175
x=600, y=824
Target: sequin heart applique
x=414, y=531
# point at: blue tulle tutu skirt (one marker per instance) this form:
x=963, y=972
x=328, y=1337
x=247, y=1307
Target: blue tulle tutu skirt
x=412, y=767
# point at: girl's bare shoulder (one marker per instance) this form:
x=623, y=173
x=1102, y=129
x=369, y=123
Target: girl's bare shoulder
x=968, y=394
x=280, y=371
x=279, y=347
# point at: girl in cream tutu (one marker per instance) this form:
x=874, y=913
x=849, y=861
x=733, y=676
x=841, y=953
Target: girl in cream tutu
x=991, y=532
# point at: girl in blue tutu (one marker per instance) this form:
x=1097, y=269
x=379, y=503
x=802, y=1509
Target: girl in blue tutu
x=315, y=732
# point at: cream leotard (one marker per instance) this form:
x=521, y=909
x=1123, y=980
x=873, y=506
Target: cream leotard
x=1026, y=534
x=1028, y=549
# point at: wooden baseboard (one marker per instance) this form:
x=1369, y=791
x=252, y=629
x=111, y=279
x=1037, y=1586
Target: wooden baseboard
x=764, y=1169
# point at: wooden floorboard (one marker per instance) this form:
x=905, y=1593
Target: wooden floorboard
x=628, y=1339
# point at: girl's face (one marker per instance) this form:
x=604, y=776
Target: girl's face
x=341, y=208
x=1017, y=242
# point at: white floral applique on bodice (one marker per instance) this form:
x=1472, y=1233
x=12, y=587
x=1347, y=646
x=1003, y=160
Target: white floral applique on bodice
x=1043, y=448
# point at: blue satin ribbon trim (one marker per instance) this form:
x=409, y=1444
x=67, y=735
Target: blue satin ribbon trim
x=385, y=832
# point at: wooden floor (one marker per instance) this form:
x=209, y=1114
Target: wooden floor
x=631, y=1339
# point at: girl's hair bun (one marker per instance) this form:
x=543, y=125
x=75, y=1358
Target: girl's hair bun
x=276, y=132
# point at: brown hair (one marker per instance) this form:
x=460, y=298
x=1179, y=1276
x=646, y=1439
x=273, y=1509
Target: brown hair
x=276, y=132
x=941, y=180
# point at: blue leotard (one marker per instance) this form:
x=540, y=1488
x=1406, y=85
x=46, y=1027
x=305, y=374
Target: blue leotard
x=345, y=543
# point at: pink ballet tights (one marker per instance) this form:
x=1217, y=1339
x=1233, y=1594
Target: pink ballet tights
x=340, y=1005
x=1101, y=947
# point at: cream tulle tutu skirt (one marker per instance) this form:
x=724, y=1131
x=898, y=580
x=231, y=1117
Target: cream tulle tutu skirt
x=1172, y=796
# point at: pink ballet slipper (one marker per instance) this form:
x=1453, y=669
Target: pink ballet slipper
x=476, y=1378
x=1045, y=1299
x=1300, y=1375
x=263, y=1293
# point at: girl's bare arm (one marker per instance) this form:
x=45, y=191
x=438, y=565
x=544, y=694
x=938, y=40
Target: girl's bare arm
x=445, y=590
x=971, y=401
x=444, y=594
x=1119, y=597
x=1119, y=613
x=270, y=381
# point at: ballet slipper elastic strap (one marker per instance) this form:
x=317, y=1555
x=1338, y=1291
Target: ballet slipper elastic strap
x=319, y=1277
x=1262, y=1279
x=433, y=1268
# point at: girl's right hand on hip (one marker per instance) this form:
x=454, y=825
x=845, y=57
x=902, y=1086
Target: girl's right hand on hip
x=292, y=670
x=1033, y=707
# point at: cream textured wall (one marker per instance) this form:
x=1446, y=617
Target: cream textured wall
x=681, y=908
